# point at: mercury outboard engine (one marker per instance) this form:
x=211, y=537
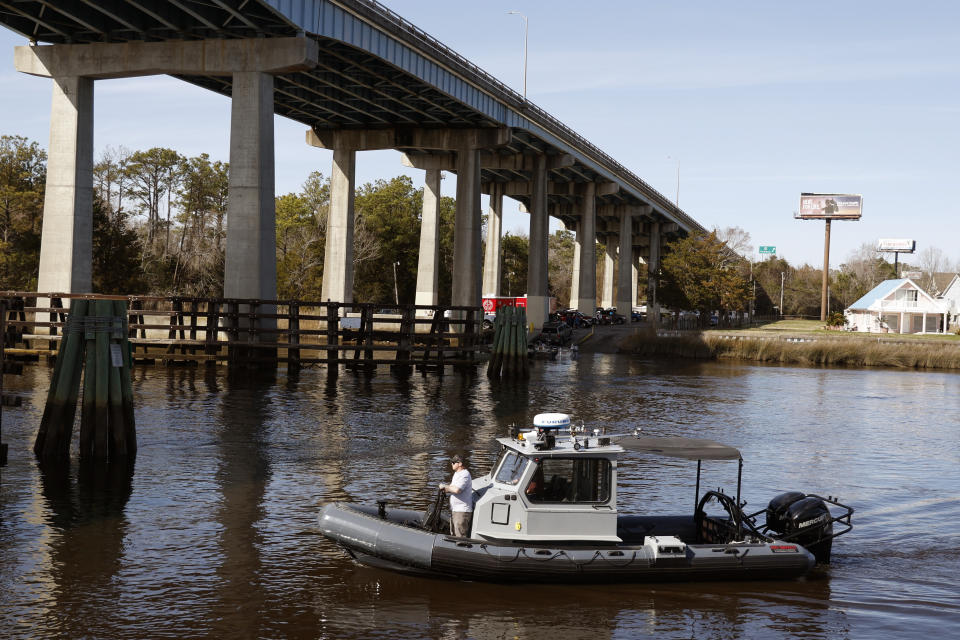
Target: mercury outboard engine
x=803, y=519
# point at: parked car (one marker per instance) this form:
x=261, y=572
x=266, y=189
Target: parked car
x=610, y=316
x=573, y=318
x=558, y=333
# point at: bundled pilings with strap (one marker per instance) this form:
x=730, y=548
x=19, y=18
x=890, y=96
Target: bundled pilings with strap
x=509, y=355
x=94, y=348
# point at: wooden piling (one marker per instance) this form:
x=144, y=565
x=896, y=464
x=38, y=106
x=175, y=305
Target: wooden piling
x=56, y=425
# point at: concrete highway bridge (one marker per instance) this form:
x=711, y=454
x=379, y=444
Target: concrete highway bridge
x=359, y=77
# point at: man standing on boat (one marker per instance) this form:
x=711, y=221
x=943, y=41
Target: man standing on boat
x=461, y=498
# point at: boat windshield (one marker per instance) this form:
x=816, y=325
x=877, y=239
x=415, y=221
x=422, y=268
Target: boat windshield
x=512, y=466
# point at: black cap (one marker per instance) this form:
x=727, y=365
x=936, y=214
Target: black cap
x=456, y=459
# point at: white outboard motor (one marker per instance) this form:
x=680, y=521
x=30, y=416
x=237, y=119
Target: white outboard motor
x=803, y=519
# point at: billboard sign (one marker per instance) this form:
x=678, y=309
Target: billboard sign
x=899, y=245
x=834, y=206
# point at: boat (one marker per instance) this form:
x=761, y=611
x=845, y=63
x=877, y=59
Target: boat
x=547, y=512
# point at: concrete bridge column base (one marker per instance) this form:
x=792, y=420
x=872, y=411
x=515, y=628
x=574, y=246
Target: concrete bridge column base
x=66, y=248
x=250, y=262
x=338, y=261
x=429, y=257
x=625, y=267
x=538, y=301
x=491, y=257
x=466, y=232
x=606, y=299
x=587, y=234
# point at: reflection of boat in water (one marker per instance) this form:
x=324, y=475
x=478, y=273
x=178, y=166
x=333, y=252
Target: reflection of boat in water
x=548, y=512
x=542, y=351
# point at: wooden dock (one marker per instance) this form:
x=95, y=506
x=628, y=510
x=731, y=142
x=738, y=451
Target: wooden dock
x=255, y=333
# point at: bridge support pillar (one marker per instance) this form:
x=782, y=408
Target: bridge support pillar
x=429, y=257
x=466, y=231
x=66, y=249
x=537, y=289
x=625, y=267
x=250, y=269
x=635, y=280
x=68, y=208
x=606, y=298
x=575, y=274
x=653, y=265
x=586, y=301
x=338, y=259
x=491, y=256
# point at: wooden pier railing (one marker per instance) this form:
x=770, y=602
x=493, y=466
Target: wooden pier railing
x=240, y=332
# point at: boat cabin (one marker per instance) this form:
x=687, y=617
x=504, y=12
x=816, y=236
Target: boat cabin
x=548, y=486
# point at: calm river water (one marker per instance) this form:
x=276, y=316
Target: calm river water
x=214, y=533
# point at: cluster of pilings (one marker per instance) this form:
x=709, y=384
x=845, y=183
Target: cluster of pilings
x=509, y=355
x=94, y=345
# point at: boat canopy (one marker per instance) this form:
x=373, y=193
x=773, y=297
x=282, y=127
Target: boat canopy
x=679, y=447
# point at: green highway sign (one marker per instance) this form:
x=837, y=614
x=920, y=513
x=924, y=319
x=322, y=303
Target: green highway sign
x=768, y=249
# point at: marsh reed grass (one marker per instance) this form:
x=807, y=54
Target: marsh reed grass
x=846, y=352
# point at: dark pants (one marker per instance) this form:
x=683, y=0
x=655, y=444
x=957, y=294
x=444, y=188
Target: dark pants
x=460, y=523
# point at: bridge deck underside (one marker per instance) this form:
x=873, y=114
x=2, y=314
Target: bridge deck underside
x=349, y=89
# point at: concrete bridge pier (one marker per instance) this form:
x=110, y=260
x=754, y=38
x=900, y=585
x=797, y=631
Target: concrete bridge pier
x=537, y=288
x=575, y=273
x=625, y=266
x=66, y=249
x=338, y=254
x=466, y=230
x=611, y=242
x=68, y=206
x=250, y=269
x=429, y=257
x=491, y=256
x=586, y=301
x=653, y=264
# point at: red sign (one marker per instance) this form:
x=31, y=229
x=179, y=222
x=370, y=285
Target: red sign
x=491, y=304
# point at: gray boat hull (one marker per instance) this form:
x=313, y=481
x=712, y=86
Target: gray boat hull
x=395, y=541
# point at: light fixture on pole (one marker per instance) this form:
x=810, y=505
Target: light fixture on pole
x=526, y=33
x=676, y=201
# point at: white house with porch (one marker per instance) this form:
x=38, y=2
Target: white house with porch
x=949, y=292
x=898, y=306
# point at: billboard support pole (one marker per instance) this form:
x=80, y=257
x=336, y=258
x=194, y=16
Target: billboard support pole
x=826, y=272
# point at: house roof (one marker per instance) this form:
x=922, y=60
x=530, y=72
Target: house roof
x=941, y=280
x=879, y=292
x=887, y=287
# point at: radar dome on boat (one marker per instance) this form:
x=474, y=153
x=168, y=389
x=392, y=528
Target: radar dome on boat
x=551, y=420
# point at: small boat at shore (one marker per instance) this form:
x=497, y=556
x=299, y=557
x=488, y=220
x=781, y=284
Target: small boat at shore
x=547, y=512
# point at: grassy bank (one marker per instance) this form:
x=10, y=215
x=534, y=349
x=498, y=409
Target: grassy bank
x=851, y=351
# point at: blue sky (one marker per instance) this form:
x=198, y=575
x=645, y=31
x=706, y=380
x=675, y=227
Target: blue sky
x=757, y=101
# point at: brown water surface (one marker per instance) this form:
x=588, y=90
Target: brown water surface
x=214, y=533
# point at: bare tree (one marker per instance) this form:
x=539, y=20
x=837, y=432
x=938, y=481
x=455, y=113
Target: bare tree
x=737, y=240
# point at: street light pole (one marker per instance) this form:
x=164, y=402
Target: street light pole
x=526, y=33
x=676, y=200
x=781, y=293
x=396, y=290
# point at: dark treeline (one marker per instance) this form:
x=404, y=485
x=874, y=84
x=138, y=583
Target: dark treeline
x=160, y=224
